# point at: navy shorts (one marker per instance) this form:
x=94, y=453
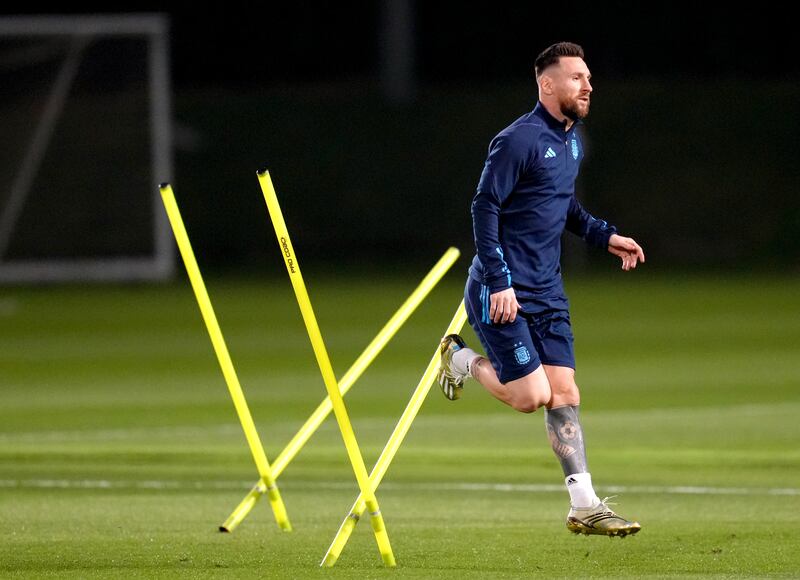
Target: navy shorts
x=541, y=333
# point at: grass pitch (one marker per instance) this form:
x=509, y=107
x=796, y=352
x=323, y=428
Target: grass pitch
x=120, y=452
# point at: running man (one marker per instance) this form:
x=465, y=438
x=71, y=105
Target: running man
x=514, y=295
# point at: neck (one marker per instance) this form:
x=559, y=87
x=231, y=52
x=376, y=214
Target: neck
x=554, y=110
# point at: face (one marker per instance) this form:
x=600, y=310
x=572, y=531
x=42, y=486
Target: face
x=568, y=82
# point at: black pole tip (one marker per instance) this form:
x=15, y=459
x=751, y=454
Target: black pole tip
x=163, y=184
x=262, y=171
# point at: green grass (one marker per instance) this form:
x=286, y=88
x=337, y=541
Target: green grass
x=120, y=451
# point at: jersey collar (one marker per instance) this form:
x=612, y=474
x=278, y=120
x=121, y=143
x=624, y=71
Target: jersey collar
x=551, y=121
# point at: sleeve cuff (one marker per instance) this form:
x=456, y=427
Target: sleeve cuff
x=499, y=283
x=602, y=239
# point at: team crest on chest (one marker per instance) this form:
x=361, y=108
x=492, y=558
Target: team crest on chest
x=574, y=148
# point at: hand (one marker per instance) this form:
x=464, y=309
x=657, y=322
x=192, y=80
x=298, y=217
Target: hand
x=503, y=306
x=627, y=249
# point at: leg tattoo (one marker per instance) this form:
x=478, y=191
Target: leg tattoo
x=566, y=438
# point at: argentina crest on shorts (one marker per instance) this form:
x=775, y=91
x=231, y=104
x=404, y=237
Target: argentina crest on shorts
x=522, y=355
x=574, y=148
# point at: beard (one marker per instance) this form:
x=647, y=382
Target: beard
x=574, y=109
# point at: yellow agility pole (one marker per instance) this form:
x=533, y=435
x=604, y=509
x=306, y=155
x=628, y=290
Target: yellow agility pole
x=392, y=446
x=328, y=376
x=348, y=380
x=267, y=479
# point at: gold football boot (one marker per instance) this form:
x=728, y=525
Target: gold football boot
x=451, y=381
x=600, y=520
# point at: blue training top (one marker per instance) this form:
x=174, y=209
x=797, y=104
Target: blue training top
x=525, y=199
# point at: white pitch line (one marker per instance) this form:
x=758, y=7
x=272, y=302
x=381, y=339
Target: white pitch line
x=119, y=434
x=432, y=486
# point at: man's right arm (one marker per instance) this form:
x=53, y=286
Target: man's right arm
x=504, y=165
x=506, y=161
x=486, y=228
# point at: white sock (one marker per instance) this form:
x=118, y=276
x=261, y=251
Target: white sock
x=462, y=360
x=581, y=492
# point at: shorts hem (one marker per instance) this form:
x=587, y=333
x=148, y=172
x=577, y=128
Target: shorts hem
x=560, y=363
x=508, y=377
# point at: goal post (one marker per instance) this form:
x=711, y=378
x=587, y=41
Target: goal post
x=86, y=115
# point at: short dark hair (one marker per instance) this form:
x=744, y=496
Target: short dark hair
x=553, y=53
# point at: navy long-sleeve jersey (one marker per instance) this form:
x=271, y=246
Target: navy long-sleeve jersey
x=525, y=200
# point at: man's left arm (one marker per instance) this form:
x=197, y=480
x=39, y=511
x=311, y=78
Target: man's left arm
x=602, y=235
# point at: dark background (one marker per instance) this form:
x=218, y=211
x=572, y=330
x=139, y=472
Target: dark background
x=691, y=140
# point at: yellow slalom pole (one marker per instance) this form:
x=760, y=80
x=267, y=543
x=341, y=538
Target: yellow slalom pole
x=224, y=358
x=247, y=504
x=348, y=380
x=365, y=359
x=392, y=446
x=328, y=376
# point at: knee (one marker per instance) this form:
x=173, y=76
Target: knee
x=528, y=402
x=566, y=394
x=530, y=392
x=563, y=387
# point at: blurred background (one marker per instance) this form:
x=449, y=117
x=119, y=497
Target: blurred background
x=374, y=119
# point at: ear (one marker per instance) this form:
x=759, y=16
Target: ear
x=546, y=84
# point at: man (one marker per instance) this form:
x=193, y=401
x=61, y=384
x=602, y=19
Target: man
x=514, y=296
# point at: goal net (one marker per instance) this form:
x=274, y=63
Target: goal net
x=85, y=120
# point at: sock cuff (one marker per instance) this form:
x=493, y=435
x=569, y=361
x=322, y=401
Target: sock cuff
x=463, y=358
x=578, y=479
x=581, y=492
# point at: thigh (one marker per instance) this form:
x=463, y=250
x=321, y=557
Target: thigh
x=509, y=346
x=531, y=391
